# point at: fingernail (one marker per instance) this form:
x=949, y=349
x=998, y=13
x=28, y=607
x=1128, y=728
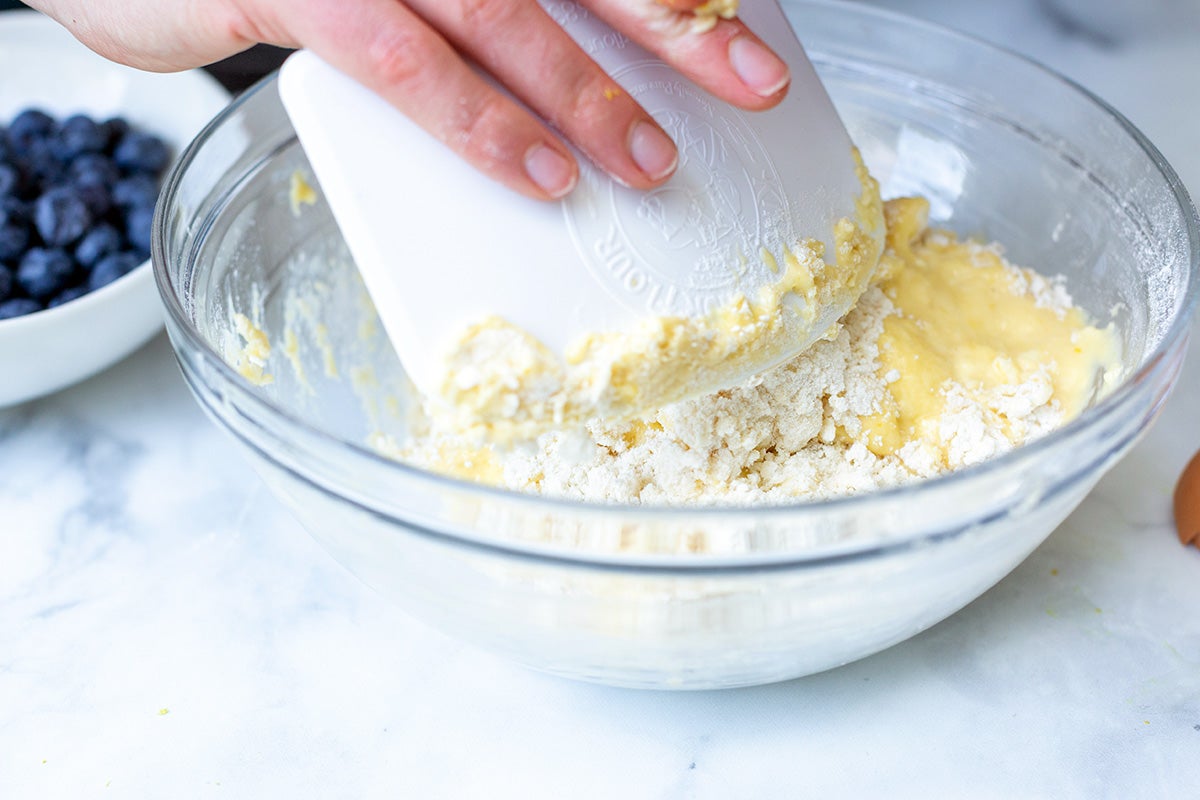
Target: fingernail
x=550, y=170
x=652, y=150
x=761, y=70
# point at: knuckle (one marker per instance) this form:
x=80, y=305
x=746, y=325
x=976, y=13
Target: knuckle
x=399, y=57
x=592, y=97
x=240, y=26
x=483, y=136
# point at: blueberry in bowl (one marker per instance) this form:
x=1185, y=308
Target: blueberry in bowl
x=77, y=200
x=84, y=143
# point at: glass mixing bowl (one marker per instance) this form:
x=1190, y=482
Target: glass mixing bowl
x=620, y=594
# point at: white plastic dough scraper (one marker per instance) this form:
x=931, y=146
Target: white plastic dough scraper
x=441, y=247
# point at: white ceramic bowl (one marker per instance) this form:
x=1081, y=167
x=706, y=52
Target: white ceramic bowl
x=46, y=351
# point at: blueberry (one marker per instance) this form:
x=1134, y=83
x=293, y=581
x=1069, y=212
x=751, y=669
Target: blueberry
x=13, y=240
x=111, y=267
x=30, y=125
x=18, y=307
x=115, y=129
x=136, y=191
x=79, y=134
x=13, y=210
x=67, y=295
x=141, y=152
x=42, y=164
x=95, y=195
x=61, y=216
x=10, y=179
x=138, y=228
x=14, y=228
x=44, y=273
x=97, y=243
x=6, y=283
x=94, y=166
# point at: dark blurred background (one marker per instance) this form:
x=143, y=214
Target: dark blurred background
x=234, y=73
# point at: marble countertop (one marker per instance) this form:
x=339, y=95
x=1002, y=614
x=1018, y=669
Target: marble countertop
x=168, y=630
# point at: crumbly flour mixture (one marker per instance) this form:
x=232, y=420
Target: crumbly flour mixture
x=950, y=357
x=953, y=356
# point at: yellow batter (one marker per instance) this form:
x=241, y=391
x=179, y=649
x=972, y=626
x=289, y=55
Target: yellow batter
x=967, y=319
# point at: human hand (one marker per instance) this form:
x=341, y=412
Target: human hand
x=415, y=54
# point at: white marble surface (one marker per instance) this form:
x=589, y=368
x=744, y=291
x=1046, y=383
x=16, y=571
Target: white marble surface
x=166, y=630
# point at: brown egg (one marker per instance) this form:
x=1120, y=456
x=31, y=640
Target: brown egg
x=1187, y=503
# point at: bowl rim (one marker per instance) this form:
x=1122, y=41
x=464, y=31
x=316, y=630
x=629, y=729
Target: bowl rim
x=1174, y=338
